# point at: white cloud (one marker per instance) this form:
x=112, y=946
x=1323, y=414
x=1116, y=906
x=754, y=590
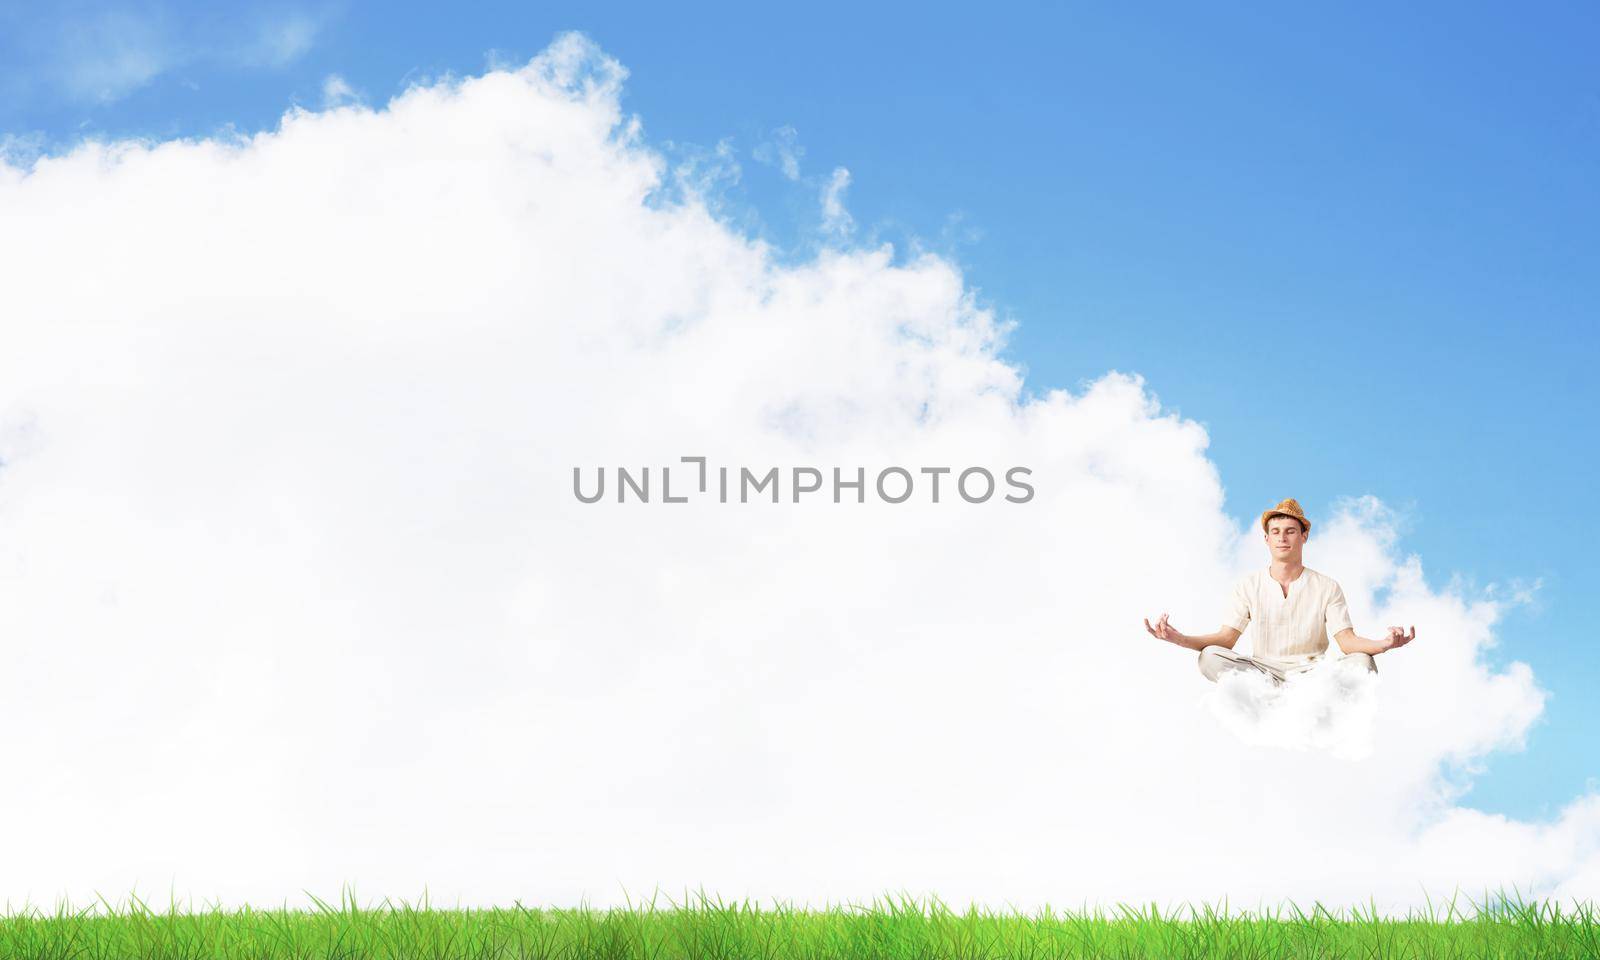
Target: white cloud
x=337, y=92
x=836, y=220
x=109, y=55
x=295, y=591
x=1331, y=706
x=782, y=151
x=279, y=41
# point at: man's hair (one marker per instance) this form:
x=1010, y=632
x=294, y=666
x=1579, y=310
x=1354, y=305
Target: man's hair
x=1287, y=516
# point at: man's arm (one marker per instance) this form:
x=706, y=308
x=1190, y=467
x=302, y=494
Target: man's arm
x=1349, y=642
x=1225, y=637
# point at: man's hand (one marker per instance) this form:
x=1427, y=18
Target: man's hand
x=1164, y=630
x=1397, y=638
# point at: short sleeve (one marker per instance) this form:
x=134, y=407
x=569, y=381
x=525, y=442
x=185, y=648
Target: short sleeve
x=1338, y=612
x=1239, y=607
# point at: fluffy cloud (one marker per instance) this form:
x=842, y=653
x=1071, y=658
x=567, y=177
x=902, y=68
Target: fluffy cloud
x=296, y=592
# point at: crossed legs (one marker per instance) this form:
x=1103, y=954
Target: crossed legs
x=1214, y=659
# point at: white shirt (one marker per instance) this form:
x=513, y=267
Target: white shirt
x=1295, y=628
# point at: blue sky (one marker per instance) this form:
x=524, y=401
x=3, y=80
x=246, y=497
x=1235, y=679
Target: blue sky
x=1358, y=245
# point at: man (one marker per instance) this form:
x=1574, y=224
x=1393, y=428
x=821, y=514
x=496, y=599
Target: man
x=1294, y=608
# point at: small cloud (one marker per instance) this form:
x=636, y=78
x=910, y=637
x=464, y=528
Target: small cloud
x=1517, y=592
x=337, y=93
x=280, y=41
x=107, y=57
x=782, y=151
x=836, y=220
x=496, y=59
x=956, y=231
x=1524, y=592
x=1333, y=706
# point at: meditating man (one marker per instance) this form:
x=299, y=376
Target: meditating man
x=1295, y=610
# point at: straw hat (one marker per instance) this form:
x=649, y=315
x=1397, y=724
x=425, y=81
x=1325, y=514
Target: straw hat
x=1286, y=508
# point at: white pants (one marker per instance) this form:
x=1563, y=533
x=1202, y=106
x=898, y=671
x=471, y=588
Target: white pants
x=1215, y=659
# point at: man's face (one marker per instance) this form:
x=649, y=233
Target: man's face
x=1285, y=538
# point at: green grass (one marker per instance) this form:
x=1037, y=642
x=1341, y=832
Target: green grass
x=900, y=929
